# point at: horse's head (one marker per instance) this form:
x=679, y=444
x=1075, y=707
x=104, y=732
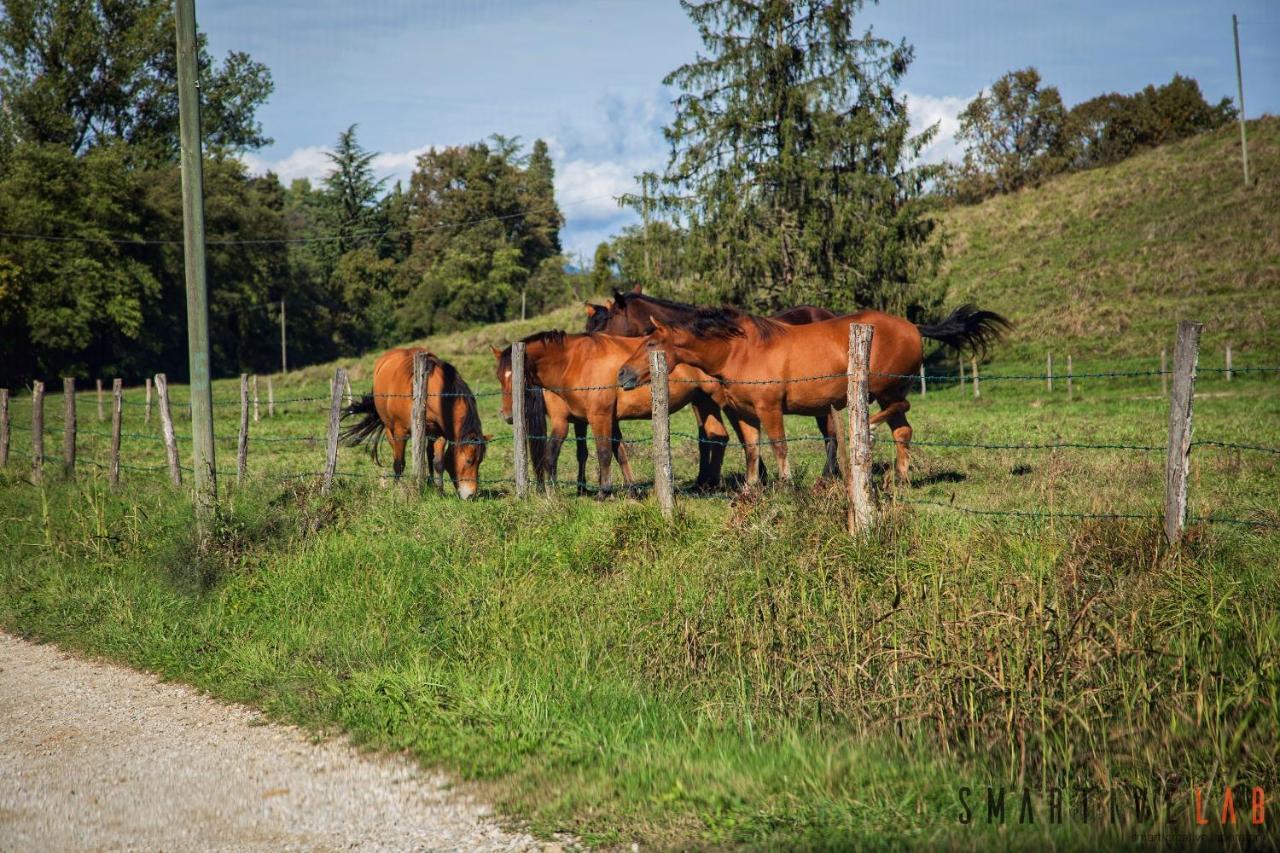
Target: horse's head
x=597, y=316
x=503, y=358
x=462, y=460
x=672, y=340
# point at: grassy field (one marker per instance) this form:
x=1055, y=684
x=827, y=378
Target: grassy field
x=745, y=673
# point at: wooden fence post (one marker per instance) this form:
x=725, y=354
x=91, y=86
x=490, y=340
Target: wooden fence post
x=254, y=381
x=1048, y=372
x=418, y=422
x=4, y=427
x=37, y=431
x=1177, y=465
x=659, y=394
x=166, y=427
x=960, y=361
x=1228, y=373
x=924, y=389
x=335, y=416
x=148, y=417
x=117, y=416
x=858, y=483
x=101, y=417
x=69, y=426
x=1069, y=378
x=1164, y=372
x=973, y=363
x=271, y=399
x=521, y=450
x=242, y=446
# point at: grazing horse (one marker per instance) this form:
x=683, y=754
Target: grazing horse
x=452, y=419
x=633, y=314
x=770, y=369
x=579, y=373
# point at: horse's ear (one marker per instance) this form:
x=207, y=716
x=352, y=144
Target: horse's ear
x=591, y=309
x=619, y=298
x=497, y=353
x=608, y=306
x=637, y=288
x=488, y=437
x=657, y=324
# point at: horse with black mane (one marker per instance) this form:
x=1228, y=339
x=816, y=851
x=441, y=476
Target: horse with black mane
x=455, y=441
x=770, y=369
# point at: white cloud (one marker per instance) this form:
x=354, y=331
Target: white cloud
x=313, y=162
x=927, y=110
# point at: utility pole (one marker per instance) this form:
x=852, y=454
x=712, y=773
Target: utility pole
x=1244, y=141
x=284, y=360
x=206, y=483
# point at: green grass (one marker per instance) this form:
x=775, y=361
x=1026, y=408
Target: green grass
x=746, y=673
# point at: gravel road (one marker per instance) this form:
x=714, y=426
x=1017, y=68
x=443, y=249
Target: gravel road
x=95, y=756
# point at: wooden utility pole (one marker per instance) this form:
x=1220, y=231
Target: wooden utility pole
x=858, y=483
x=659, y=395
x=1244, y=139
x=520, y=450
x=206, y=484
x=1178, y=463
x=284, y=358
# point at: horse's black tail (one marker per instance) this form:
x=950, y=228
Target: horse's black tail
x=535, y=429
x=368, y=427
x=967, y=328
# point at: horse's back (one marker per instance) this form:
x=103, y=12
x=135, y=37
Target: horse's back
x=393, y=386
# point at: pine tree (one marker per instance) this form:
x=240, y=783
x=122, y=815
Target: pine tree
x=791, y=158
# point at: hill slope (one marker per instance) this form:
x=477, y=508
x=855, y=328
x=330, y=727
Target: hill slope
x=1107, y=261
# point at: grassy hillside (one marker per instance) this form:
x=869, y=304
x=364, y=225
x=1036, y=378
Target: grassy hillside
x=1105, y=262
x=747, y=673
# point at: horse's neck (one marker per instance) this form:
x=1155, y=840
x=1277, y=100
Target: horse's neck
x=546, y=363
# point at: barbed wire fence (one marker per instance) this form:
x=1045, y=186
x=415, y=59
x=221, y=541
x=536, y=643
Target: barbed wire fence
x=856, y=438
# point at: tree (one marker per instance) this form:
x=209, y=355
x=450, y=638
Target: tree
x=790, y=158
x=602, y=269
x=79, y=74
x=1013, y=134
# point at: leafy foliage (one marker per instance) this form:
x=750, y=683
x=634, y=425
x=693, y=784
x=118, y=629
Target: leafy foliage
x=789, y=159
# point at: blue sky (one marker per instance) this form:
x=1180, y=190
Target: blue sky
x=587, y=75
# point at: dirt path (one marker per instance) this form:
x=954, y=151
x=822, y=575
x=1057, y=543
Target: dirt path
x=95, y=756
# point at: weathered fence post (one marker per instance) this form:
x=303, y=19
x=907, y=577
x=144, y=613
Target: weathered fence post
x=1185, y=355
x=1069, y=378
x=1228, y=373
x=960, y=361
x=254, y=381
x=166, y=427
x=858, y=483
x=1048, y=372
x=659, y=394
x=69, y=426
x=521, y=451
x=271, y=399
x=924, y=389
x=1164, y=372
x=37, y=431
x=4, y=427
x=100, y=415
x=973, y=363
x=418, y=422
x=117, y=416
x=335, y=416
x=242, y=445
x=148, y=418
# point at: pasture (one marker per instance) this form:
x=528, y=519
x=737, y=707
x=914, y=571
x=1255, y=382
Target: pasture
x=745, y=672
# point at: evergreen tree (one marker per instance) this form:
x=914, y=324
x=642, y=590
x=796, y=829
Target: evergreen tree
x=790, y=158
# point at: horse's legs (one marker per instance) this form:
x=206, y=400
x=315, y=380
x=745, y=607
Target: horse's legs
x=436, y=448
x=620, y=450
x=602, y=430
x=774, y=427
x=888, y=411
x=580, y=441
x=397, y=454
x=713, y=438
x=551, y=467
x=749, y=436
x=827, y=426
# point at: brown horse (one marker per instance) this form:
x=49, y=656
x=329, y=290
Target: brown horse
x=633, y=313
x=580, y=373
x=770, y=369
x=455, y=441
